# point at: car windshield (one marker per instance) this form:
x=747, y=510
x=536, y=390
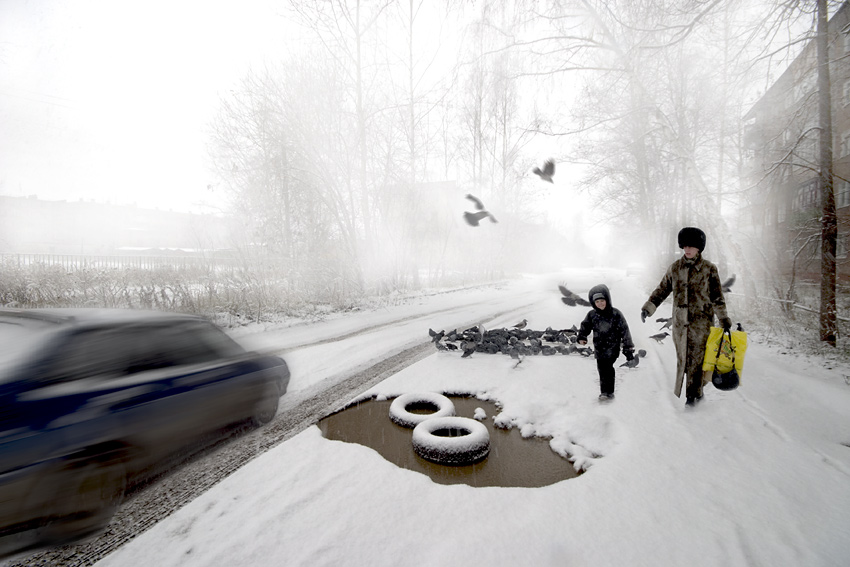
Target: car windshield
x=20, y=337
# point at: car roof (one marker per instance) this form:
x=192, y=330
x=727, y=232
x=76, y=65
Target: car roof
x=84, y=316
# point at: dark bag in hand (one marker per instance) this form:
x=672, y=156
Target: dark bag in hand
x=725, y=381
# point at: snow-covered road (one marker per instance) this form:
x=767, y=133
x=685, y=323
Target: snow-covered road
x=756, y=476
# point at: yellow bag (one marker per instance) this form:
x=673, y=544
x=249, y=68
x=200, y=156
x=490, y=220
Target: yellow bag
x=722, y=355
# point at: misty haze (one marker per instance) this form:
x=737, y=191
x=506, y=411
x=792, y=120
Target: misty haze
x=334, y=183
x=327, y=149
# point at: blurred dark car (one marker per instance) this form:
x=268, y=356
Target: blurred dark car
x=93, y=401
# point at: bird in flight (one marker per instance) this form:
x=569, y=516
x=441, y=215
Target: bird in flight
x=727, y=285
x=478, y=204
x=668, y=321
x=660, y=336
x=572, y=299
x=474, y=218
x=547, y=172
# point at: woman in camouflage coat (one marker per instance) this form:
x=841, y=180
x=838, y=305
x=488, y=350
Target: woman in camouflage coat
x=697, y=298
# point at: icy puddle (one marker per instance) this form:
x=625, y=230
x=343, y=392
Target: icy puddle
x=512, y=461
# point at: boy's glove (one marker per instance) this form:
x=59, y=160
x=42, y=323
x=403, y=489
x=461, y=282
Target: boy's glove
x=630, y=355
x=643, y=315
x=726, y=323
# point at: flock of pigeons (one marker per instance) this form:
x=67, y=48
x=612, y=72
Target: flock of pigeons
x=481, y=213
x=519, y=341
x=516, y=342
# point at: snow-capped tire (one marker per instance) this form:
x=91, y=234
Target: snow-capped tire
x=400, y=408
x=451, y=440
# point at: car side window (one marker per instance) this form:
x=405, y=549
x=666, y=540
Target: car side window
x=217, y=341
x=173, y=345
x=87, y=353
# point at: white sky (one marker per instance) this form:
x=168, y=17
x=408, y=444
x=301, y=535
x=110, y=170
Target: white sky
x=111, y=100
x=756, y=476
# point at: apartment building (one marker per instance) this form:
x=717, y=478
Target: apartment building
x=781, y=159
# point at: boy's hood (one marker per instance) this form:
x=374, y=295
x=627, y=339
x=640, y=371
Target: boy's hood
x=599, y=288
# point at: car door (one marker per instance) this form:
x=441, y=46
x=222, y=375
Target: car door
x=198, y=387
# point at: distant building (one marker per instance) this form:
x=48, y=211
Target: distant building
x=29, y=225
x=781, y=147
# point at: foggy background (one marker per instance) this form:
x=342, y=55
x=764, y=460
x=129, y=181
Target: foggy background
x=334, y=141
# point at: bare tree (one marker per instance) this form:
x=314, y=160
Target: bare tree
x=808, y=147
x=829, y=225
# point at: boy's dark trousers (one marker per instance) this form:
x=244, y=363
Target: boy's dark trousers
x=605, y=366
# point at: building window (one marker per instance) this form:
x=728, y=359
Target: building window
x=808, y=148
x=842, y=195
x=806, y=85
x=807, y=196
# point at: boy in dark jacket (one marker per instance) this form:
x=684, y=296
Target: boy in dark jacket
x=610, y=333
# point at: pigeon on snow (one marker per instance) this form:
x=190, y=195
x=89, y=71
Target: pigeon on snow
x=634, y=361
x=521, y=324
x=435, y=336
x=547, y=172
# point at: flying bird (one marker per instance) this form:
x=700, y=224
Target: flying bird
x=572, y=299
x=435, y=336
x=660, y=336
x=478, y=204
x=727, y=285
x=521, y=324
x=547, y=172
x=667, y=323
x=474, y=218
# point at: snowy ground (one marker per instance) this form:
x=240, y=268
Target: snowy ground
x=757, y=476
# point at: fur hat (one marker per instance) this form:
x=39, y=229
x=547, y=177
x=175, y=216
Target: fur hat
x=692, y=236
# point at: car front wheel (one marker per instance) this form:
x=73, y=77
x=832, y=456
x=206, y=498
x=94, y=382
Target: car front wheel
x=266, y=409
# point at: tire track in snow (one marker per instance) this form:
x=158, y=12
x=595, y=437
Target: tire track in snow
x=393, y=322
